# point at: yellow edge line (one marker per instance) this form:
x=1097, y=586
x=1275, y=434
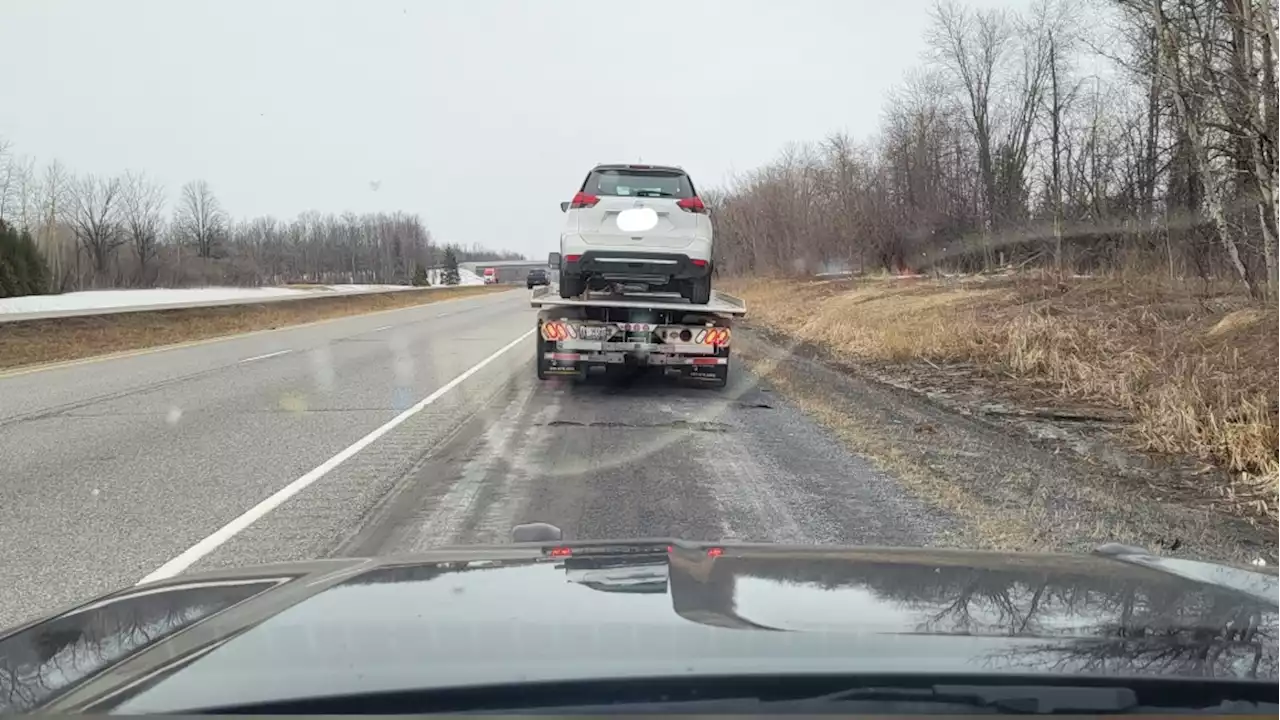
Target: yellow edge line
x=29, y=369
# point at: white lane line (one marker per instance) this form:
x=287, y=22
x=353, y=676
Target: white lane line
x=231, y=529
x=264, y=357
x=380, y=329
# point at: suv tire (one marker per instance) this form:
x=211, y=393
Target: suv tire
x=697, y=290
x=571, y=286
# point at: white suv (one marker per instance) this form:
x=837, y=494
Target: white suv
x=640, y=225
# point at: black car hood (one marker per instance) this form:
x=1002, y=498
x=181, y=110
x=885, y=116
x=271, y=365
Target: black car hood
x=518, y=613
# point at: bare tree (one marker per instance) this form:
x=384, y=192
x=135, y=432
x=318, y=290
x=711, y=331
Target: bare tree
x=92, y=217
x=25, y=201
x=8, y=178
x=974, y=45
x=54, y=205
x=143, y=205
x=95, y=218
x=1187, y=86
x=199, y=219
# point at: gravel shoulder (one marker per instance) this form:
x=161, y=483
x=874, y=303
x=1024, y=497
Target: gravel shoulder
x=1024, y=484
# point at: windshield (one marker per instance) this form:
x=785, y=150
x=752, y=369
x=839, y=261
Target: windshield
x=639, y=183
x=953, y=276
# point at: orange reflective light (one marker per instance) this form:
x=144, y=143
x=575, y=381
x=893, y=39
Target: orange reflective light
x=716, y=336
x=554, y=330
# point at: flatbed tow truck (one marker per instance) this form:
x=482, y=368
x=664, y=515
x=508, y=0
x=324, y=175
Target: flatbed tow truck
x=618, y=331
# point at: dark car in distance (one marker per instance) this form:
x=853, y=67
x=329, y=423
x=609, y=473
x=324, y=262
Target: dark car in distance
x=538, y=277
x=600, y=627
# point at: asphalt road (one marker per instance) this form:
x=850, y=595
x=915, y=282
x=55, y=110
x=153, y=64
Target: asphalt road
x=390, y=433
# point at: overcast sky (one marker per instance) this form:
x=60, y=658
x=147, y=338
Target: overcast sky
x=480, y=116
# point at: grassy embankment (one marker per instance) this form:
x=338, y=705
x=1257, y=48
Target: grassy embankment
x=1193, y=367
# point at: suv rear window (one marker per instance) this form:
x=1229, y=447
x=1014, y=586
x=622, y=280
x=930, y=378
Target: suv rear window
x=630, y=182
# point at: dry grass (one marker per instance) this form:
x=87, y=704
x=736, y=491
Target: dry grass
x=1195, y=367
x=35, y=342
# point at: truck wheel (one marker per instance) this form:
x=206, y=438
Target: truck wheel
x=698, y=290
x=571, y=286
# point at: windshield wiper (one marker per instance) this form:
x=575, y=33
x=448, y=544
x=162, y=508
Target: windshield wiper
x=653, y=193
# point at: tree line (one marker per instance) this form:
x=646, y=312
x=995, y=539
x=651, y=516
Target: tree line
x=1081, y=135
x=93, y=231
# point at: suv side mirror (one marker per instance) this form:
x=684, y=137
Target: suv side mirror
x=553, y=260
x=564, y=206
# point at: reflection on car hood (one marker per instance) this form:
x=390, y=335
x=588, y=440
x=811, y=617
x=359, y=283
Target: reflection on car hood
x=519, y=613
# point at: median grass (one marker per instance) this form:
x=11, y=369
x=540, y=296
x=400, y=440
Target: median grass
x=1194, y=366
x=34, y=342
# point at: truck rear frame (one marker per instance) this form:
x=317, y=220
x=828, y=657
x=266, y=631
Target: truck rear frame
x=614, y=332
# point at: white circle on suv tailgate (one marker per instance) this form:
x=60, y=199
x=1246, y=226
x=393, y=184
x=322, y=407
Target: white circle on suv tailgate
x=637, y=219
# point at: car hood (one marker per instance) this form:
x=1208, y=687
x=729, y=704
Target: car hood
x=527, y=612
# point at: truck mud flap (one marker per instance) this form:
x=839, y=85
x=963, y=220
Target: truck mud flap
x=708, y=374
x=708, y=370
x=562, y=365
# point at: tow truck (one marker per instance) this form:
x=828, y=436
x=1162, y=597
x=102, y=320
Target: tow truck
x=623, y=328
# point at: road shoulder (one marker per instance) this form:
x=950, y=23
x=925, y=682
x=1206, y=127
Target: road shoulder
x=1010, y=490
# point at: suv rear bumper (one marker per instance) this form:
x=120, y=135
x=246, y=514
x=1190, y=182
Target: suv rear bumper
x=637, y=264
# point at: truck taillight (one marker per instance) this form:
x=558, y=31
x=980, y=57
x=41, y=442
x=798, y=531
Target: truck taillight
x=693, y=205
x=583, y=200
x=718, y=336
x=556, y=330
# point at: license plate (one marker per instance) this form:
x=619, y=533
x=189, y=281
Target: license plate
x=594, y=332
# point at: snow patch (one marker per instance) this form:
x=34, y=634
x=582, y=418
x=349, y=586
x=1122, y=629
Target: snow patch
x=465, y=277
x=93, y=299
x=162, y=297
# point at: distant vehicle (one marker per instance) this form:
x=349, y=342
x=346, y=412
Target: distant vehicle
x=490, y=276
x=639, y=225
x=537, y=277
x=603, y=627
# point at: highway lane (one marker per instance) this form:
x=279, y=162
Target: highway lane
x=646, y=456
x=110, y=468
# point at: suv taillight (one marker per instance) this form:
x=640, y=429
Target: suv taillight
x=583, y=200
x=693, y=205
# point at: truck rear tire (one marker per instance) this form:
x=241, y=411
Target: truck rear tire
x=571, y=286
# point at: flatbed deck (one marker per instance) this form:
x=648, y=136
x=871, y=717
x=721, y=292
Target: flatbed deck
x=720, y=304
